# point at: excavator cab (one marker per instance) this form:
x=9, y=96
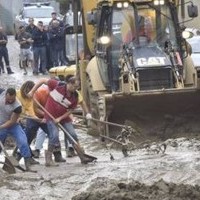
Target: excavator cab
x=140, y=34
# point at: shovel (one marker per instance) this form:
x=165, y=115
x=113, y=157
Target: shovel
x=124, y=146
x=85, y=158
x=8, y=167
x=129, y=128
x=10, y=162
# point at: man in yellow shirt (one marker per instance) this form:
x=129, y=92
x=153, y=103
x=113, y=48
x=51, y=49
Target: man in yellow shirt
x=27, y=110
x=27, y=103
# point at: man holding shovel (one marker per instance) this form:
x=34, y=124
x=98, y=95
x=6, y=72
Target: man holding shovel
x=10, y=109
x=61, y=100
x=33, y=121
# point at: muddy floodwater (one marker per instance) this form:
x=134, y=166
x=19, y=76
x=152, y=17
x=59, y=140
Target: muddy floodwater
x=143, y=174
x=146, y=173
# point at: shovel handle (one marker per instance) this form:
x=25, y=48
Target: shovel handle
x=83, y=157
x=59, y=124
x=103, y=122
x=3, y=149
x=111, y=139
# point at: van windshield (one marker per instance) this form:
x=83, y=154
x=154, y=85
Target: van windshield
x=38, y=12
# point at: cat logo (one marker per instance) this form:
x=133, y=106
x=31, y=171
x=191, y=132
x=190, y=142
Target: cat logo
x=151, y=61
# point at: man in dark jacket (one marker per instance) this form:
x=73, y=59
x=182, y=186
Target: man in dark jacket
x=39, y=48
x=4, y=52
x=56, y=37
x=31, y=27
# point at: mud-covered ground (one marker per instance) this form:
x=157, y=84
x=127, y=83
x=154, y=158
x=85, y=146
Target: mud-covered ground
x=118, y=190
x=145, y=174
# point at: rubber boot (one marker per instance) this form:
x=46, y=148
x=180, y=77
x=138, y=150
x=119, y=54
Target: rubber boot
x=33, y=161
x=17, y=155
x=9, y=70
x=36, y=153
x=48, y=157
x=27, y=164
x=70, y=152
x=58, y=156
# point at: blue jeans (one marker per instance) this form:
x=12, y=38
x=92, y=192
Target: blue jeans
x=32, y=127
x=54, y=133
x=41, y=135
x=19, y=135
x=70, y=129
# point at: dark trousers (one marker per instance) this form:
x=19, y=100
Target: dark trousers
x=4, y=55
x=39, y=53
x=58, y=57
x=1, y=66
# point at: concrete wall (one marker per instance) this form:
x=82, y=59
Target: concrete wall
x=10, y=8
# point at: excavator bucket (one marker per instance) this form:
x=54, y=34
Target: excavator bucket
x=162, y=114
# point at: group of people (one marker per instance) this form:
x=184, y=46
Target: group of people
x=44, y=105
x=42, y=46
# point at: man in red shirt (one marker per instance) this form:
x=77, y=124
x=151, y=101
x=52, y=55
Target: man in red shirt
x=61, y=100
x=41, y=95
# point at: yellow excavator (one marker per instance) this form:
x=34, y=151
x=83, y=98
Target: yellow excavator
x=136, y=68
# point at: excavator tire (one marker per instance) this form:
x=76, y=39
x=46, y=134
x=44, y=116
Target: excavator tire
x=96, y=105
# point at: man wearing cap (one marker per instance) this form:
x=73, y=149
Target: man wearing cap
x=25, y=41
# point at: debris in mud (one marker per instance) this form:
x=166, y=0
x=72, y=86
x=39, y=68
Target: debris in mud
x=106, y=189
